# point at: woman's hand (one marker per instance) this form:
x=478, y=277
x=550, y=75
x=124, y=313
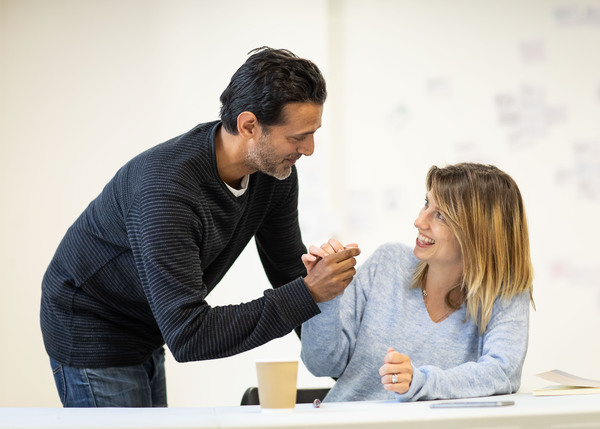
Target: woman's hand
x=316, y=253
x=396, y=372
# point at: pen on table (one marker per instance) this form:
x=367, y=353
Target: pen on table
x=472, y=404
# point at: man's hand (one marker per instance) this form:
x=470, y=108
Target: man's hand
x=330, y=269
x=315, y=254
x=396, y=372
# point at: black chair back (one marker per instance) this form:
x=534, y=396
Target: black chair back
x=303, y=396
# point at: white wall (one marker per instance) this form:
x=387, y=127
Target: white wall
x=86, y=85
x=512, y=83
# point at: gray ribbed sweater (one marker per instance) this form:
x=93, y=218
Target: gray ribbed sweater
x=134, y=269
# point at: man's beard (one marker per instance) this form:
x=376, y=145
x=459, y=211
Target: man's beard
x=263, y=158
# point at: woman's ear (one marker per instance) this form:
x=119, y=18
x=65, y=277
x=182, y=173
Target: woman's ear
x=247, y=124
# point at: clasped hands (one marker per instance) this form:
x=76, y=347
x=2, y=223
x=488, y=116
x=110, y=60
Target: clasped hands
x=330, y=269
x=331, y=266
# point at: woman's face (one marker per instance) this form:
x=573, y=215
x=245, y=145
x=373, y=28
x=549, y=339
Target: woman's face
x=436, y=244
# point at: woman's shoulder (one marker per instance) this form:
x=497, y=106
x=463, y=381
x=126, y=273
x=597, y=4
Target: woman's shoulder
x=510, y=309
x=520, y=301
x=390, y=266
x=393, y=258
x=396, y=251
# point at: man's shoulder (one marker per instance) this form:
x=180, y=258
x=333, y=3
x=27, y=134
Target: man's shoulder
x=202, y=135
x=204, y=129
x=192, y=150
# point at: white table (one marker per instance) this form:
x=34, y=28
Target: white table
x=582, y=411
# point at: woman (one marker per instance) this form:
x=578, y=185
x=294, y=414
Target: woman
x=448, y=319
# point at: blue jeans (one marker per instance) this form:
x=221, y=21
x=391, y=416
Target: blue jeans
x=141, y=385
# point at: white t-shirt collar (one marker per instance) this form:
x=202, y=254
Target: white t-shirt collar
x=243, y=187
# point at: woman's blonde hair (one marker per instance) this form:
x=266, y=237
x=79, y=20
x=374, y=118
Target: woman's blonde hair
x=483, y=207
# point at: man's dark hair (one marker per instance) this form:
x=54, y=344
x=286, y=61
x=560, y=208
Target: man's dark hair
x=266, y=82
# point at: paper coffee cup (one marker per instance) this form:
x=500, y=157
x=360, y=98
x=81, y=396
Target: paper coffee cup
x=277, y=384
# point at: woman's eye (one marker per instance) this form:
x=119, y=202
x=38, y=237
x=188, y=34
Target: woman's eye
x=426, y=202
x=440, y=216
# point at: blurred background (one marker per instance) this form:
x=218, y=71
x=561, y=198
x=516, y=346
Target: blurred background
x=85, y=85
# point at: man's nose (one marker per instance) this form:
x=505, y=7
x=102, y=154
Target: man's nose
x=307, y=147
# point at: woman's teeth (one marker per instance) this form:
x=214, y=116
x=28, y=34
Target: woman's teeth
x=425, y=240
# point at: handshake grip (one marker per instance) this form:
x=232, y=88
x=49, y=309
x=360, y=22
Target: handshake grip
x=330, y=273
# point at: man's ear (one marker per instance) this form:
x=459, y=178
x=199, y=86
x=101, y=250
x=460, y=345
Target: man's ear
x=247, y=125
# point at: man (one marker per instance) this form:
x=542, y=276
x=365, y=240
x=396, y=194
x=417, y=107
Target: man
x=133, y=271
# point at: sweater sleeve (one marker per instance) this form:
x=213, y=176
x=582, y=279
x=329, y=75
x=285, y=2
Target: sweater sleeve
x=503, y=347
x=329, y=339
x=164, y=234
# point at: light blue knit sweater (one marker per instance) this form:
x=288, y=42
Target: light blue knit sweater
x=350, y=338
